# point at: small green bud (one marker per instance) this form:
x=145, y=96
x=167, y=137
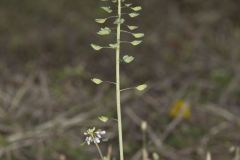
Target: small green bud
x=141, y=87
x=107, y=9
x=134, y=14
x=128, y=4
x=115, y=45
x=96, y=81
x=103, y=119
x=96, y=47
x=101, y=20
x=137, y=8
x=128, y=59
x=119, y=21
x=138, y=35
x=132, y=27
x=144, y=126
x=136, y=42
x=104, y=31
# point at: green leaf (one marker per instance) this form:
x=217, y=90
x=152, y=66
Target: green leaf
x=113, y=45
x=114, y=1
x=141, y=87
x=136, y=42
x=103, y=119
x=104, y=31
x=96, y=81
x=133, y=14
x=119, y=21
x=101, y=20
x=137, y=8
x=107, y=9
x=132, y=27
x=96, y=47
x=128, y=59
x=138, y=35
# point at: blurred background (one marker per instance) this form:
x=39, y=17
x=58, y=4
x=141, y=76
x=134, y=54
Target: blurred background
x=190, y=59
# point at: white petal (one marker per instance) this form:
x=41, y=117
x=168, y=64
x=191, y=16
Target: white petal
x=96, y=140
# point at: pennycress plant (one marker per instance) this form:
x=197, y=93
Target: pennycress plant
x=118, y=26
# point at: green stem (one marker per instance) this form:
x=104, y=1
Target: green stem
x=118, y=84
x=99, y=151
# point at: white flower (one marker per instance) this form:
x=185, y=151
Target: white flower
x=88, y=140
x=100, y=133
x=96, y=140
x=93, y=136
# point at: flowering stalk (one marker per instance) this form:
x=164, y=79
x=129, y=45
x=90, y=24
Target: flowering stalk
x=119, y=21
x=118, y=84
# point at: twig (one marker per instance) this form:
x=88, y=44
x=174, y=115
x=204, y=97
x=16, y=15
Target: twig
x=212, y=132
x=20, y=93
x=19, y=140
x=219, y=111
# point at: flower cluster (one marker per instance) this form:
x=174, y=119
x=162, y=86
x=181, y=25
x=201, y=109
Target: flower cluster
x=93, y=136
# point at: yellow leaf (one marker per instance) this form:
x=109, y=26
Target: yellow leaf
x=180, y=107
